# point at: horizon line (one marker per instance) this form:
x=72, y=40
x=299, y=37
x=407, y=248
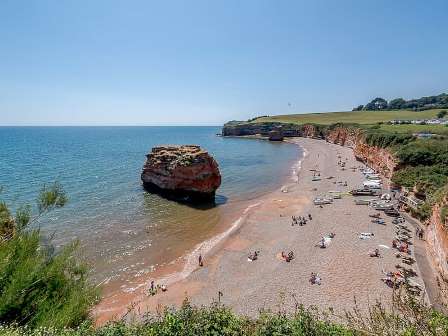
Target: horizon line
x=116, y=125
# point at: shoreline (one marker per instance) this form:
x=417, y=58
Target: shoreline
x=181, y=268
x=345, y=267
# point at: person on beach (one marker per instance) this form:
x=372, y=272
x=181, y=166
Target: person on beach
x=322, y=243
x=152, y=288
x=201, y=262
x=310, y=217
x=375, y=254
x=253, y=256
x=315, y=279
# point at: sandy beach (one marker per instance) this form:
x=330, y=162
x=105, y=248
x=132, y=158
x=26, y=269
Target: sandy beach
x=345, y=267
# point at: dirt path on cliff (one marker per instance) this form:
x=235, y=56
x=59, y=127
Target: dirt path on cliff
x=426, y=268
x=345, y=267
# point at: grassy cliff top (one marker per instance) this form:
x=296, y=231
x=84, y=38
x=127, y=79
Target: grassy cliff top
x=358, y=117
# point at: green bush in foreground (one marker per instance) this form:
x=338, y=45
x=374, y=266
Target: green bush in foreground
x=409, y=316
x=38, y=286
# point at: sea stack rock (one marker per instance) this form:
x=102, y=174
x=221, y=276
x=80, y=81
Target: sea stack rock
x=185, y=173
x=276, y=134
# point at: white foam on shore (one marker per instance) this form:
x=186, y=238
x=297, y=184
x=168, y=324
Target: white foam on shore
x=204, y=248
x=298, y=165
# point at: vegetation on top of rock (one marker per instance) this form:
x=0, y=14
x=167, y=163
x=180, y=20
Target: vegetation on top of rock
x=386, y=139
x=423, y=152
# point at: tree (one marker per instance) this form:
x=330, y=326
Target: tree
x=442, y=114
x=358, y=108
x=377, y=104
x=396, y=104
x=38, y=286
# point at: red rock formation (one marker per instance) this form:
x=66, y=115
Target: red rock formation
x=437, y=237
x=276, y=134
x=309, y=131
x=380, y=159
x=185, y=172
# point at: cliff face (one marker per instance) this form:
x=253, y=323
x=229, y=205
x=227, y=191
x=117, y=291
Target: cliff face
x=437, y=236
x=185, y=172
x=241, y=128
x=380, y=159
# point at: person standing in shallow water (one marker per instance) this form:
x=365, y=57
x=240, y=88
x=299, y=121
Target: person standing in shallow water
x=201, y=263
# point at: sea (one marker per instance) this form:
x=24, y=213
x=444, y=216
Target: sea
x=124, y=231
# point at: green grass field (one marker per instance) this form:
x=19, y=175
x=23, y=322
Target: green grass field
x=435, y=129
x=358, y=117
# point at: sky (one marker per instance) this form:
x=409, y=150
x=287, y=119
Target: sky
x=110, y=62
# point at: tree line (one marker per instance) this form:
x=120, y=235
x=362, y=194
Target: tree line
x=423, y=103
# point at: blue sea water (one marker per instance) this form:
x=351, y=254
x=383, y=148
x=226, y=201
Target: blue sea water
x=122, y=228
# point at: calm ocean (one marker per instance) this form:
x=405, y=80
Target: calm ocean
x=124, y=231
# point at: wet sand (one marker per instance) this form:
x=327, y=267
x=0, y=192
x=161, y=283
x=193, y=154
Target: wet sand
x=345, y=267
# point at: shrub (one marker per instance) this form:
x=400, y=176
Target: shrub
x=384, y=139
x=423, y=152
x=38, y=286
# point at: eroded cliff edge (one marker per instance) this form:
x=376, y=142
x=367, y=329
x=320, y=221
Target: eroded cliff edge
x=383, y=160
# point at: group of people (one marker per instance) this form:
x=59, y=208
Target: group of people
x=375, y=253
x=288, y=257
x=300, y=220
x=153, y=288
x=400, y=246
x=393, y=279
x=253, y=256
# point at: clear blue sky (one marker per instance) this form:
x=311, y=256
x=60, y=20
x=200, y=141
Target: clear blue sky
x=204, y=62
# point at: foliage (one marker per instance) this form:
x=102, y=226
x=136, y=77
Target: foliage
x=423, y=152
x=408, y=316
x=423, y=103
x=376, y=104
x=442, y=114
x=39, y=287
x=428, y=178
x=443, y=214
x=396, y=104
x=384, y=139
x=215, y=319
x=415, y=128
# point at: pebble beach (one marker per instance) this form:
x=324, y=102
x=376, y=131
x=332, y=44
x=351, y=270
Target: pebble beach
x=346, y=270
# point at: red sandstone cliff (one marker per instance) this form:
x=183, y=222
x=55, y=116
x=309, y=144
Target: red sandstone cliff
x=380, y=159
x=181, y=171
x=437, y=236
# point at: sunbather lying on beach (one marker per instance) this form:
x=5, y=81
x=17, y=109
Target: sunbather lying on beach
x=288, y=257
x=375, y=253
x=253, y=256
x=153, y=289
x=315, y=279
